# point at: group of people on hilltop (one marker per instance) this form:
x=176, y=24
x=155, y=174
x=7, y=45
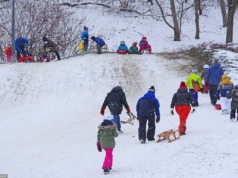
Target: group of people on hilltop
x=183, y=102
x=144, y=46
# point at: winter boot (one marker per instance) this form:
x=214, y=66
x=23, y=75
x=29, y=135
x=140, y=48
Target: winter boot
x=142, y=141
x=106, y=171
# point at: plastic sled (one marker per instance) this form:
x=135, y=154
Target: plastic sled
x=217, y=106
x=26, y=59
x=121, y=51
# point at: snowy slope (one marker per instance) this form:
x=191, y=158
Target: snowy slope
x=50, y=113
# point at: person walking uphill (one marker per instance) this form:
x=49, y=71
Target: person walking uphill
x=115, y=100
x=99, y=43
x=214, y=75
x=146, y=107
x=234, y=102
x=182, y=100
x=105, y=140
x=53, y=47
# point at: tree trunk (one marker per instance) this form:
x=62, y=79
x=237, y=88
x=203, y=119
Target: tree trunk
x=223, y=12
x=175, y=21
x=232, y=5
x=197, y=36
x=199, y=7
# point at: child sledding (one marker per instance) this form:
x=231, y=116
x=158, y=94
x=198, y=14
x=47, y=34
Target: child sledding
x=44, y=54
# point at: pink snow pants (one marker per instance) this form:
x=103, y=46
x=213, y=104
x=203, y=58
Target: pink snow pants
x=143, y=48
x=108, y=158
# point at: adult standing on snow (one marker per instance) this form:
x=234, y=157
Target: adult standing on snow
x=146, y=108
x=214, y=75
x=115, y=100
x=99, y=44
x=53, y=47
x=84, y=38
x=20, y=43
x=182, y=100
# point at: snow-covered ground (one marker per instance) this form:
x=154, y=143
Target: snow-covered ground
x=50, y=113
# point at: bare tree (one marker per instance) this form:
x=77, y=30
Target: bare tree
x=223, y=12
x=36, y=19
x=197, y=35
x=232, y=6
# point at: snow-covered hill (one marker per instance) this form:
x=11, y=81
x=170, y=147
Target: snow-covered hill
x=50, y=113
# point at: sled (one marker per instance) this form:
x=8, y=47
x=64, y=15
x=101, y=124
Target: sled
x=26, y=59
x=171, y=135
x=121, y=51
x=93, y=48
x=217, y=106
x=131, y=119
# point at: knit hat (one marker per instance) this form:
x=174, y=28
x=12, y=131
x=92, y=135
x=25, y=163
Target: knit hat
x=107, y=117
x=93, y=38
x=44, y=38
x=122, y=42
x=134, y=43
x=144, y=38
x=85, y=28
x=152, y=88
x=224, y=76
x=194, y=70
x=182, y=85
x=206, y=66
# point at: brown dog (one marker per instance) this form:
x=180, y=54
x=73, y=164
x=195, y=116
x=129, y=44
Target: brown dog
x=171, y=135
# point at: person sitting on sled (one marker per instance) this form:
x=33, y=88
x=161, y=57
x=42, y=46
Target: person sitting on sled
x=203, y=76
x=224, y=87
x=144, y=45
x=134, y=48
x=194, y=83
x=44, y=54
x=122, y=49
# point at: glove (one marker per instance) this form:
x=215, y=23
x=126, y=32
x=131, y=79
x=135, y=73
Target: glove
x=193, y=110
x=102, y=111
x=172, y=111
x=128, y=110
x=157, y=119
x=218, y=97
x=99, y=147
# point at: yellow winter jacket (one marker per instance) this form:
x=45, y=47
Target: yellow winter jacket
x=194, y=77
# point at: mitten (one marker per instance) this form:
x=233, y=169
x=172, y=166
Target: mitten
x=193, y=110
x=128, y=110
x=99, y=147
x=172, y=111
x=201, y=90
x=157, y=119
x=102, y=111
x=218, y=97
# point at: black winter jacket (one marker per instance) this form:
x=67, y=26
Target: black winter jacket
x=115, y=100
x=182, y=97
x=51, y=45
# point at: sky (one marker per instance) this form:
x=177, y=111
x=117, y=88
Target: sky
x=50, y=113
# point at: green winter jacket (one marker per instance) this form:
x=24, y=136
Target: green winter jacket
x=194, y=77
x=106, y=136
x=133, y=49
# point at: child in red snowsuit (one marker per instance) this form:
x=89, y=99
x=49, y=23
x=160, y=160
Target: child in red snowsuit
x=181, y=101
x=144, y=45
x=8, y=52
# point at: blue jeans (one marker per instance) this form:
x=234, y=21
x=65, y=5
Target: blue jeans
x=116, y=120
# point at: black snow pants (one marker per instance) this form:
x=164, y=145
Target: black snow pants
x=142, y=127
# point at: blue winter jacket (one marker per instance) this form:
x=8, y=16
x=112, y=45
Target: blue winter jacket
x=123, y=47
x=99, y=41
x=148, y=105
x=84, y=35
x=214, y=74
x=20, y=43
